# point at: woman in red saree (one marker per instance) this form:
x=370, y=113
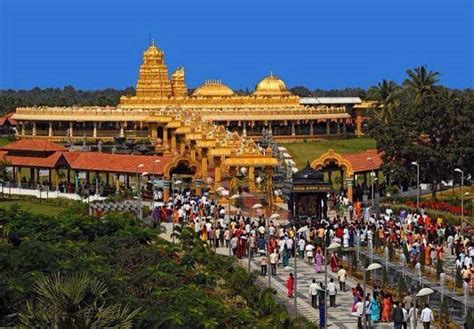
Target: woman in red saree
x=334, y=263
x=290, y=285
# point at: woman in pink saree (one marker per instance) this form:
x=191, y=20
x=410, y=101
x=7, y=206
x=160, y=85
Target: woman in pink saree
x=318, y=260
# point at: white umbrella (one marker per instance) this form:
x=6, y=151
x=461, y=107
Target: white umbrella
x=287, y=156
x=275, y=216
x=256, y=206
x=303, y=229
x=178, y=182
x=424, y=292
x=281, y=148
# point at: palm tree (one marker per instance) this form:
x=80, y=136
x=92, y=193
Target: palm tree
x=421, y=82
x=385, y=93
x=73, y=301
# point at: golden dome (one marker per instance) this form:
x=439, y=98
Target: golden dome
x=213, y=88
x=271, y=86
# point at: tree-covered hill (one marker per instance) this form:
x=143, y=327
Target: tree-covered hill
x=123, y=267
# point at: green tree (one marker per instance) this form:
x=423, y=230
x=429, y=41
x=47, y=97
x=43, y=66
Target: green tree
x=385, y=93
x=421, y=82
x=76, y=301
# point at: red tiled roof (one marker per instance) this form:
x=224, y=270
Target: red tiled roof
x=38, y=145
x=7, y=117
x=364, y=161
x=25, y=161
x=116, y=163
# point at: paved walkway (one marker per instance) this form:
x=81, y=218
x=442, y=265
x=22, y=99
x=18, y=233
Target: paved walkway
x=338, y=317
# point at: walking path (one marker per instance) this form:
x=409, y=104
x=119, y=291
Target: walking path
x=338, y=317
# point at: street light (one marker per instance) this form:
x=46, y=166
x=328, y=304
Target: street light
x=459, y=170
x=371, y=267
x=332, y=246
x=414, y=163
x=139, y=193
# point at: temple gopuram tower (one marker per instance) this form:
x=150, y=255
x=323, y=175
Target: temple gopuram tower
x=153, y=78
x=178, y=86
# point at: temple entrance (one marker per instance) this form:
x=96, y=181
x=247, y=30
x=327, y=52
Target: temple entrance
x=182, y=175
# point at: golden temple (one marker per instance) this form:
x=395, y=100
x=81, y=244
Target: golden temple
x=271, y=106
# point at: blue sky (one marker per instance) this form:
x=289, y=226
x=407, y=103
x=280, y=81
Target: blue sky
x=316, y=43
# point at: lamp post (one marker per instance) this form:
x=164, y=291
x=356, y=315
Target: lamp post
x=178, y=183
x=332, y=246
x=139, y=192
x=414, y=163
x=459, y=170
x=371, y=267
x=153, y=183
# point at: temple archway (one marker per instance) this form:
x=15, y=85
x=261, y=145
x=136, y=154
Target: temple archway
x=332, y=158
x=182, y=165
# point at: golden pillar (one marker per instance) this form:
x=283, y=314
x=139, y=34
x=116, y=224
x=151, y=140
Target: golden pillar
x=182, y=147
x=173, y=142
x=50, y=129
x=153, y=131
x=223, y=167
x=122, y=130
x=94, y=132
x=193, y=154
x=55, y=178
x=34, y=129
x=165, y=137
x=204, y=167
x=358, y=122
x=117, y=183
x=252, y=179
x=217, y=173
x=269, y=189
x=23, y=129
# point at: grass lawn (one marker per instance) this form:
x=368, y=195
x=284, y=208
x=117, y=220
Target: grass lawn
x=303, y=152
x=34, y=207
x=450, y=194
x=4, y=141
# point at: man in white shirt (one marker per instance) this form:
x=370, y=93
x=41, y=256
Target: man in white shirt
x=301, y=246
x=341, y=276
x=332, y=291
x=426, y=316
x=274, y=261
x=313, y=293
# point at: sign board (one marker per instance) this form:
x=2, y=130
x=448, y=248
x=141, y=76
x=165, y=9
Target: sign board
x=310, y=188
x=82, y=175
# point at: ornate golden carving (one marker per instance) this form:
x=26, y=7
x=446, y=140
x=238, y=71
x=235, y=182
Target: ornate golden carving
x=329, y=156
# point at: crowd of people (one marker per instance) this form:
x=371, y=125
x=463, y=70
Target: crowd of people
x=412, y=235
